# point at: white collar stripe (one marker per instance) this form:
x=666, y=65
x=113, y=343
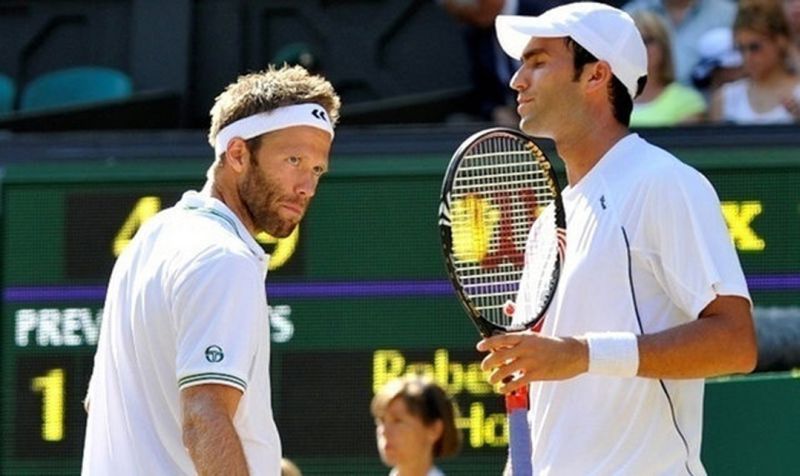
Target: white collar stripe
x=248, y=127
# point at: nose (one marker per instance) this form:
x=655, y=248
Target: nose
x=307, y=185
x=516, y=83
x=384, y=433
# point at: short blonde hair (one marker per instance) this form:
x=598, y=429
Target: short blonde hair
x=270, y=89
x=428, y=401
x=651, y=25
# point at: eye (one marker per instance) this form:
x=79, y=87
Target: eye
x=319, y=171
x=294, y=160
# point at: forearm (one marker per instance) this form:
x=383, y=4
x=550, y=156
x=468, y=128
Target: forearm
x=214, y=445
x=208, y=431
x=706, y=347
x=721, y=341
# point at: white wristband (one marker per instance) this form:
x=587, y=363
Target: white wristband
x=613, y=353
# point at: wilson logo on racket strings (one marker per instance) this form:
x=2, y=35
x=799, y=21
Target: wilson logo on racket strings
x=474, y=220
x=482, y=228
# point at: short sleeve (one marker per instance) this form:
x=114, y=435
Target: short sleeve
x=687, y=233
x=220, y=313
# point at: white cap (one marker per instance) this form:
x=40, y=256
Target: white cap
x=716, y=50
x=604, y=31
x=717, y=45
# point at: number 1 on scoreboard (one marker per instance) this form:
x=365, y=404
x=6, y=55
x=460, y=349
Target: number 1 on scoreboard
x=51, y=386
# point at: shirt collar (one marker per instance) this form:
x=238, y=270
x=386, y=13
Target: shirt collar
x=207, y=204
x=616, y=152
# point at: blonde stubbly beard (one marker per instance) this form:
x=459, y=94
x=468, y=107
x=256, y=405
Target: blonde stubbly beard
x=260, y=195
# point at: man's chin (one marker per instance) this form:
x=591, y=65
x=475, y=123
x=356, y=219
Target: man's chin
x=282, y=230
x=534, y=129
x=527, y=124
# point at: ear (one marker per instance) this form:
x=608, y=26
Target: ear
x=435, y=431
x=598, y=75
x=237, y=155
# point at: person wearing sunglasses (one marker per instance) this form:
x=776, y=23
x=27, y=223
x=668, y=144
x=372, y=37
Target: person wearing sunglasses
x=686, y=21
x=770, y=92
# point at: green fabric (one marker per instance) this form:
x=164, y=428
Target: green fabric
x=674, y=105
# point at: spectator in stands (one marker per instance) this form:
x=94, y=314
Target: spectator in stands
x=490, y=69
x=791, y=8
x=720, y=62
x=663, y=102
x=770, y=94
x=414, y=424
x=686, y=21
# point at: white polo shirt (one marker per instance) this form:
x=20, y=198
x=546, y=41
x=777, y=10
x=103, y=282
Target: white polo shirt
x=647, y=249
x=186, y=305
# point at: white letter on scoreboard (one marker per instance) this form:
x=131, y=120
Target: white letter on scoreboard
x=49, y=332
x=25, y=321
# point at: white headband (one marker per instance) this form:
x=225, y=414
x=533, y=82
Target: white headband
x=309, y=114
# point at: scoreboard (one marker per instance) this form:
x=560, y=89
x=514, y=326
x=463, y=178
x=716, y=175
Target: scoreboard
x=358, y=295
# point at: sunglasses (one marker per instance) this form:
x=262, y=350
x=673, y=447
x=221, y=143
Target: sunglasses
x=753, y=47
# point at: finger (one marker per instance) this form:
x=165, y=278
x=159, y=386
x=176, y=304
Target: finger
x=516, y=383
x=495, y=359
x=498, y=342
x=511, y=370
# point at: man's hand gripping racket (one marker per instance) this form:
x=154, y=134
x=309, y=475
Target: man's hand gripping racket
x=502, y=223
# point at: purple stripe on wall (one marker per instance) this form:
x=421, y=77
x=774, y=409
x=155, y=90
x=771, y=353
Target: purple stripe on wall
x=765, y=282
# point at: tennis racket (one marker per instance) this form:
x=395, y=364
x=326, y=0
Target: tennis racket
x=502, y=222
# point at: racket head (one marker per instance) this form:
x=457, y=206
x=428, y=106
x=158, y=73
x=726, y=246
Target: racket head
x=498, y=185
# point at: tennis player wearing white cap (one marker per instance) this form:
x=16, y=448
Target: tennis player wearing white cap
x=652, y=297
x=181, y=377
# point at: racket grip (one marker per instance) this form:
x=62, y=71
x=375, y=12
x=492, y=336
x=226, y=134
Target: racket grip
x=519, y=444
x=518, y=399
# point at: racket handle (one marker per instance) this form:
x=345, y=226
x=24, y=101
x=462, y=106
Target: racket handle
x=519, y=445
x=518, y=399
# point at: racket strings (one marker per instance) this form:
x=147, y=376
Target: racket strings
x=541, y=254
x=498, y=193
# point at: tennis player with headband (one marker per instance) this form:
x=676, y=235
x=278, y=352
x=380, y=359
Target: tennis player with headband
x=652, y=298
x=181, y=375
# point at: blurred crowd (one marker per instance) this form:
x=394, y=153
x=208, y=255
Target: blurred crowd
x=709, y=61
